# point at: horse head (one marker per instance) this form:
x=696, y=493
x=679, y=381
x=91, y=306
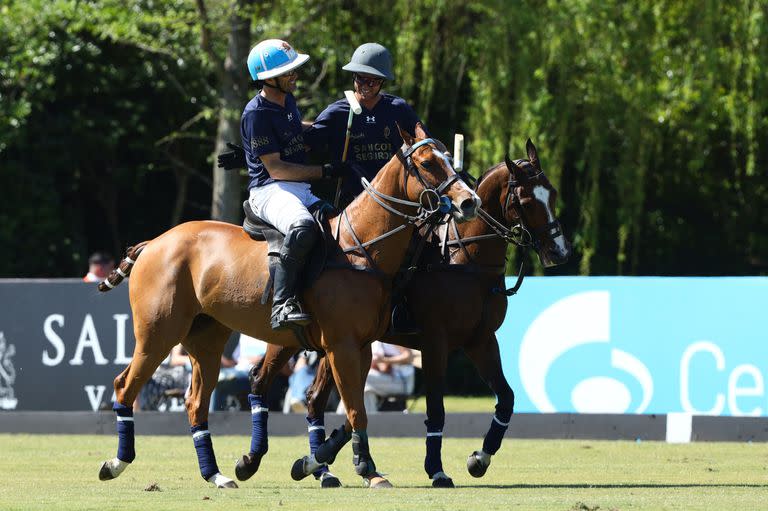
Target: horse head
x=430, y=179
x=529, y=202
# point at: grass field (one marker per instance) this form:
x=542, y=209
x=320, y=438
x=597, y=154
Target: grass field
x=60, y=472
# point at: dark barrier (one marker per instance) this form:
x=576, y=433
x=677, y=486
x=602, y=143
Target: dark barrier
x=61, y=344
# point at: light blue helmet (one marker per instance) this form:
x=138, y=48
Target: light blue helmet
x=272, y=58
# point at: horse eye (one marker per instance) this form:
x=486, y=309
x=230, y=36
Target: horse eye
x=426, y=164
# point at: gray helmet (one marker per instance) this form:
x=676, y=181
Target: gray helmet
x=372, y=59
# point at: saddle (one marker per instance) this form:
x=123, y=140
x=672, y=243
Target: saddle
x=325, y=247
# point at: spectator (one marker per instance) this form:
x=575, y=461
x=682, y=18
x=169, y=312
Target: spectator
x=301, y=378
x=169, y=383
x=100, y=264
x=392, y=373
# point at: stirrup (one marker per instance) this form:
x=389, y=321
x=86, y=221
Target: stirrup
x=290, y=315
x=401, y=322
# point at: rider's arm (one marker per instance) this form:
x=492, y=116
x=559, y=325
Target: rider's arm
x=287, y=171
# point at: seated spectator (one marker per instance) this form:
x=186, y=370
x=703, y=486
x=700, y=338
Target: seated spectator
x=299, y=381
x=100, y=264
x=233, y=383
x=169, y=386
x=392, y=373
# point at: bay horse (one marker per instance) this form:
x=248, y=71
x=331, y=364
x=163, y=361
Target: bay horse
x=199, y=281
x=518, y=207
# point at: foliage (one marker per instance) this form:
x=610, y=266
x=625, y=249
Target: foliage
x=651, y=116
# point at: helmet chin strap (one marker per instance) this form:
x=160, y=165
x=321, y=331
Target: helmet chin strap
x=267, y=84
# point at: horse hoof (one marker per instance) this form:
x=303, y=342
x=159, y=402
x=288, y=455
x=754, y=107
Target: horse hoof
x=110, y=469
x=246, y=467
x=476, y=466
x=330, y=481
x=222, y=481
x=376, y=481
x=443, y=482
x=105, y=474
x=297, y=470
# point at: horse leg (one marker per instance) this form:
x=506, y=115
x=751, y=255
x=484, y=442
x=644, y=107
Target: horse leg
x=434, y=366
x=127, y=386
x=205, y=344
x=487, y=359
x=261, y=378
x=349, y=367
x=317, y=399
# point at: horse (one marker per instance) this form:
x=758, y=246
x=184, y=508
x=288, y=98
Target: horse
x=199, y=281
x=460, y=306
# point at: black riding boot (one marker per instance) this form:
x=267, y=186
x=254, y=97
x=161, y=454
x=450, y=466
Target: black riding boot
x=287, y=311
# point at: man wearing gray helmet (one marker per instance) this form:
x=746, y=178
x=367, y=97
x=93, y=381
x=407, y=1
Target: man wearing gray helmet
x=374, y=135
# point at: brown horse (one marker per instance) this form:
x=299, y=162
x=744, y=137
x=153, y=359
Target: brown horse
x=199, y=281
x=460, y=306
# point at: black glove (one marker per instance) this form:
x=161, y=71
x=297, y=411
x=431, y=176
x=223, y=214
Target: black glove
x=336, y=169
x=234, y=159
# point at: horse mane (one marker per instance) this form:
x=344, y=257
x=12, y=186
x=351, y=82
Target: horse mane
x=488, y=172
x=522, y=163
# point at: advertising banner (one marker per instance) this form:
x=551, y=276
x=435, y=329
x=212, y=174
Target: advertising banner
x=569, y=344
x=638, y=345
x=62, y=343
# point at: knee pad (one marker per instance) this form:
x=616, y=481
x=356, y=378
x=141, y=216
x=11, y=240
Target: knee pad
x=300, y=239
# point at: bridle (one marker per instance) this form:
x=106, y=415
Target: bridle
x=518, y=234
x=431, y=208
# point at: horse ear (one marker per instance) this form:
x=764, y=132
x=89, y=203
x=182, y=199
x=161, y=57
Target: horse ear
x=420, y=133
x=532, y=154
x=512, y=167
x=407, y=138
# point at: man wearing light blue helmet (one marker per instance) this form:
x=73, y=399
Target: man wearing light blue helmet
x=271, y=133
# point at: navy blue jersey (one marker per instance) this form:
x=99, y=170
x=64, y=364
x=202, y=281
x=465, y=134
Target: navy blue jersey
x=374, y=137
x=267, y=127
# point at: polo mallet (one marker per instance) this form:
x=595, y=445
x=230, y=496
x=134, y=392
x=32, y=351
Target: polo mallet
x=354, y=109
x=458, y=152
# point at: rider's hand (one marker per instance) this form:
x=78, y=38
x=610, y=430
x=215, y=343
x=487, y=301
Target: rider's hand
x=335, y=169
x=234, y=159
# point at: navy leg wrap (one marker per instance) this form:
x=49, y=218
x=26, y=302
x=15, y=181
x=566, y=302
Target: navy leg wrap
x=204, y=447
x=125, y=435
x=259, y=416
x=433, y=462
x=316, y=438
x=495, y=434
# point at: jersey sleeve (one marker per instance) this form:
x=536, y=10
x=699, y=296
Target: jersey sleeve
x=257, y=133
x=318, y=136
x=408, y=118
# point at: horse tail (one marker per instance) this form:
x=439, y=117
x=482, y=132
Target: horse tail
x=123, y=269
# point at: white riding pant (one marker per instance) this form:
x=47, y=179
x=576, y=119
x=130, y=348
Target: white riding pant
x=282, y=203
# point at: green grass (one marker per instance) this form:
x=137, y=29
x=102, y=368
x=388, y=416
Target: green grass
x=457, y=404
x=60, y=472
